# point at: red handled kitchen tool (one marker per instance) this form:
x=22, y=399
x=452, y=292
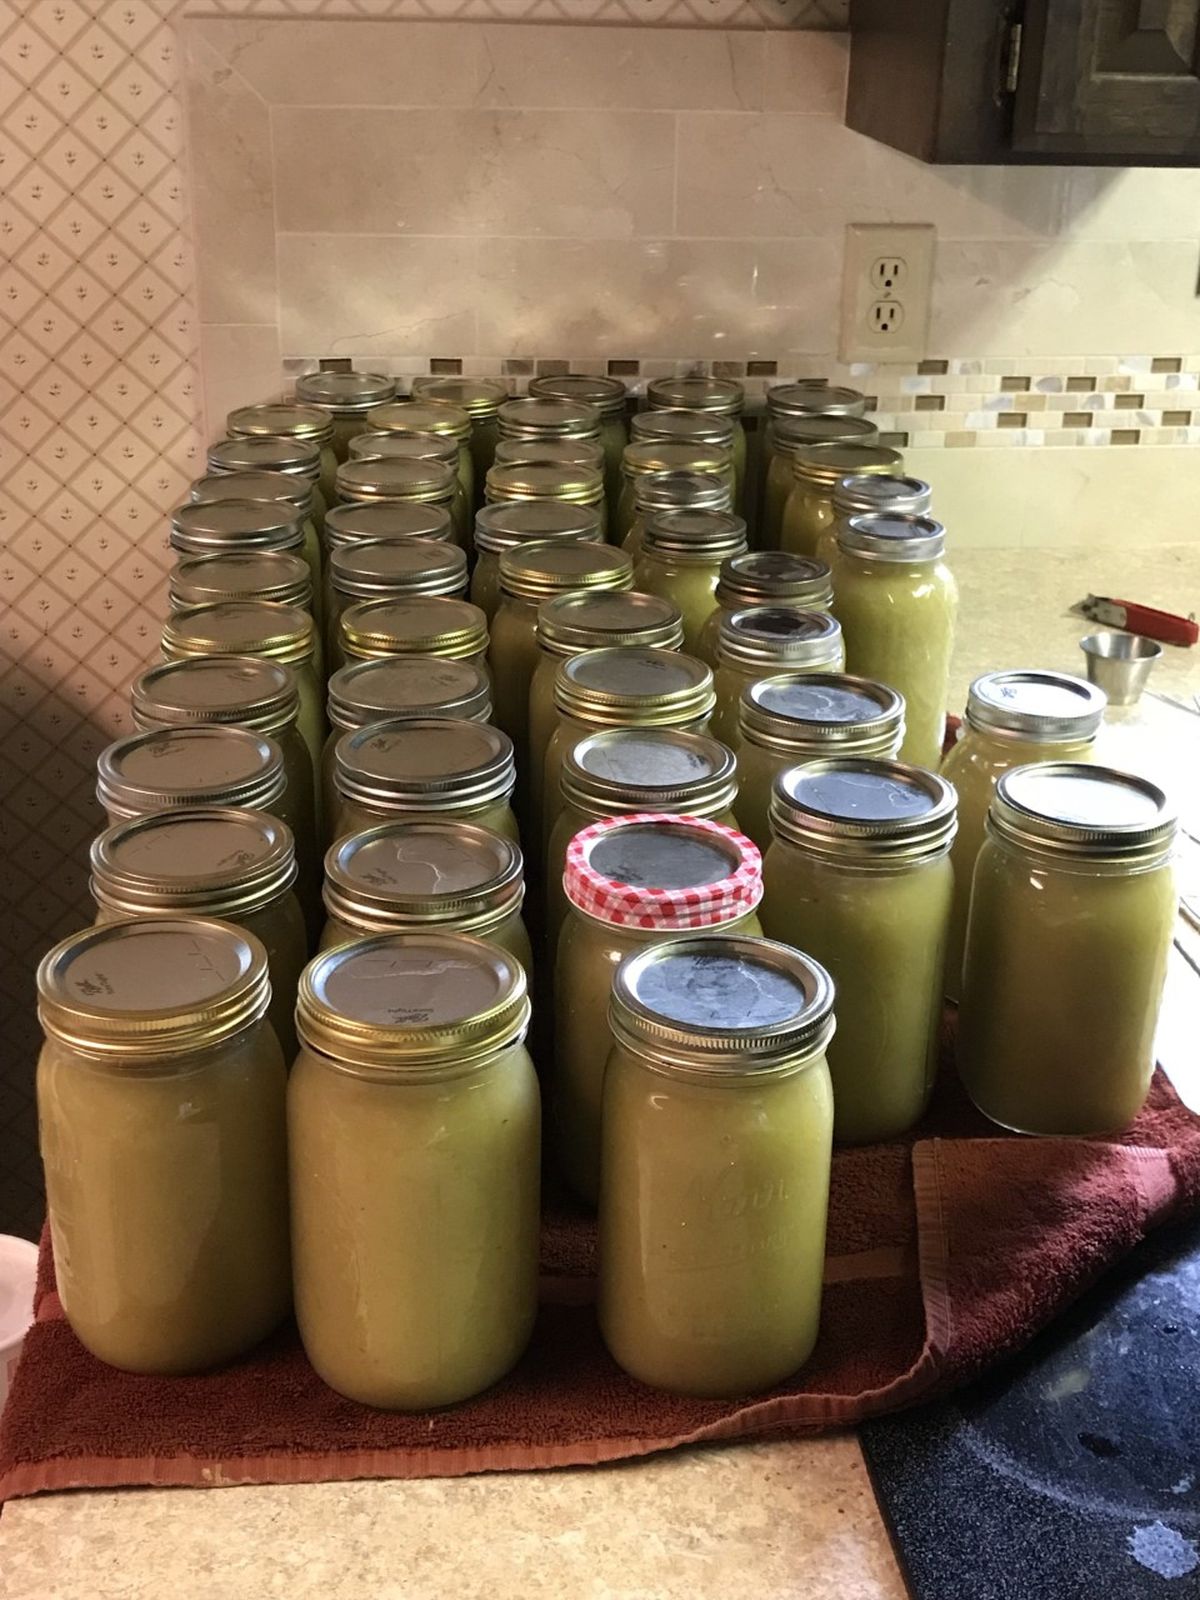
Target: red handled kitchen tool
x=1166, y=626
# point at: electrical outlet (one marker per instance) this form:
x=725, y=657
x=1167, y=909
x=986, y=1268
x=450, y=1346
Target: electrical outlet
x=887, y=288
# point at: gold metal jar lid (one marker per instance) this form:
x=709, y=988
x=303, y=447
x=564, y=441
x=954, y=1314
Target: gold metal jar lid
x=685, y=427
x=622, y=770
x=814, y=397
x=202, y=765
x=829, y=464
x=632, y=685
x=539, y=571
x=402, y=1005
x=550, y=453
x=292, y=421
x=241, y=628
x=381, y=569
x=682, y=491
x=395, y=479
x=387, y=519
x=1042, y=706
x=240, y=575
x=480, y=398
x=419, y=416
x=509, y=523
x=644, y=456
x=1072, y=810
x=246, y=691
x=822, y=713
x=210, y=861
x=416, y=625
x=236, y=525
x=775, y=577
x=425, y=764
x=540, y=417
x=792, y=433
x=864, y=809
x=402, y=447
x=694, y=536
x=266, y=452
x=575, y=622
x=342, y=392
x=261, y=485
x=722, y=1006
x=880, y=491
x=892, y=536
x=543, y=480
x=608, y=395
x=152, y=987
x=399, y=686
x=407, y=875
x=722, y=395
x=773, y=637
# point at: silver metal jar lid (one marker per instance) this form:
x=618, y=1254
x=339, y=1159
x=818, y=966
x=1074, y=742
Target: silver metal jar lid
x=694, y=535
x=344, y=391
x=399, y=686
x=822, y=713
x=202, y=765
x=241, y=628
x=550, y=453
x=575, y=622
x=261, y=485
x=860, y=808
x=421, y=416
x=774, y=577
x=790, y=433
x=208, y=861
x=1071, y=809
x=266, y=452
x=829, y=464
x=724, y=1005
x=246, y=691
x=278, y=421
x=622, y=770
x=881, y=491
x=421, y=874
x=892, y=536
x=419, y=625
x=608, y=395
x=544, y=480
x=387, y=519
x=425, y=764
x=236, y=525
x=778, y=636
x=541, y=570
x=682, y=491
x=480, y=398
x=723, y=395
x=630, y=684
x=508, y=523
x=814, y=398
x=374, y=446
x=240, y=575
x=373, y=569
x=535, y=416
x=644, y=456
x=1036, y=705
x=395, y=479
x=704, y=427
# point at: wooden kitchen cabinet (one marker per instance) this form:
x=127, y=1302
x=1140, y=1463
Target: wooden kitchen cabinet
x=1078, y=82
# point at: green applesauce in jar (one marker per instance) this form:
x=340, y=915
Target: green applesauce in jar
x=347, y=399
x=714, y=398
x=608, y=396
x=762, y=578
x=404, y=417
x=525, y=481
x=303, y=459
x=817, y=470
x=481, y=399
x=681, y=556
x=283, y=489
x=697, y=427
x=659, y=492
x=872, y=491
x=761, y=641
x=241, y=575
x=388, y=569
x=244, y=527
x=784, y=436
x=307, y=425
x=654, y=458
x=419, y=479
x=368, y=474
x=509, y=524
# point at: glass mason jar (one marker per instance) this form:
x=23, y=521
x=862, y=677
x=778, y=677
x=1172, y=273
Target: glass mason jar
x=622, y=770
x=716, y=1162
x=169, y=769
x=415, y=1169
x=425, y=768
x=535, y=417
x=764, y=578
x=817, y=469
x=681, y=557
x=263, y=452
x=1012, y=719
x=369, y=468
x=434, y=416
x=792, y=718
x=481, y=399
x=790, y=405
x=722, y=398
x=871, y=491
x=644, y=458
x=270, y=488
x=784, y=436
x=550, y=452
x=241, y=575
x=510, y=524
x=213, y=861
x=161, y=1095
x=398, y=478
x=307, y=425
x=696, y=427
x=626, y=687
x=549, y=481
x=240, y=527
x=1072, y=917
x=657, y=493
x=387, y=519
x=609, y=396
x=388, y=569
x=896, y=600
x=761, y=641
x=347, y=399
x=427, y=877
x=859, y=876
x=423, y=625
x=630, y=882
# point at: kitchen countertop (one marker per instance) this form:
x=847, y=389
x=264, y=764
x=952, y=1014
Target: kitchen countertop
x=777, y=1520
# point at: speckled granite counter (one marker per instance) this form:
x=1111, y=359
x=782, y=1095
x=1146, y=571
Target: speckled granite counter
x=773, y=1520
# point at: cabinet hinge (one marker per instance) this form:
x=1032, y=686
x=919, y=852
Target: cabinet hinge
x=1012, y=63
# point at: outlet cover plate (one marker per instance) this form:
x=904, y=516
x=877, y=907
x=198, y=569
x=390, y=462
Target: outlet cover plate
x=866, y=333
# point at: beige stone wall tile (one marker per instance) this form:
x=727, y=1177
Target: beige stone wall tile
x=240, y=366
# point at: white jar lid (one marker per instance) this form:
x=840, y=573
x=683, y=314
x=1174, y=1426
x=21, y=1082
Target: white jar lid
x=18, y=1278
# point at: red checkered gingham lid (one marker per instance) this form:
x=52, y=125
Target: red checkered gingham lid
x=703, y=905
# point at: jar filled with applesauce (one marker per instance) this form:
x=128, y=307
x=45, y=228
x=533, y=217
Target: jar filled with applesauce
x=817, y=469
x=414, y=1129
x=630, y=881
x=509, y=524
x=792, y=718
x=387, y=519
x=714, y=397
x=215, y=861
x=622, y=770
x=543, y=480
x=171, y=769
x=272, y=488
x=347, y=399
x=422, y=625
x=241, y=575
x=872, y=491
x=1012, y=719
x=263, y=452
x=481, y=399
x=389, y=569
x=550, y=452
x=1072, y=916
x=161, y=1100
x=609, y=396
x=896, y=600
x=681, y=557
x=400, y=417
x=660, y=492
x=643, y=458
x=433, y=877
x=355, y=476
x=859, y=876
x=761, y=641
x=716, y=1163
x=425, y=768
x=424, y=481
x=695, y=427
x=399, y=686
x=787, y=433
x=622, y=688
x=764, y=578
x=534, y=416
x=241, y=527
x=305, y=424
